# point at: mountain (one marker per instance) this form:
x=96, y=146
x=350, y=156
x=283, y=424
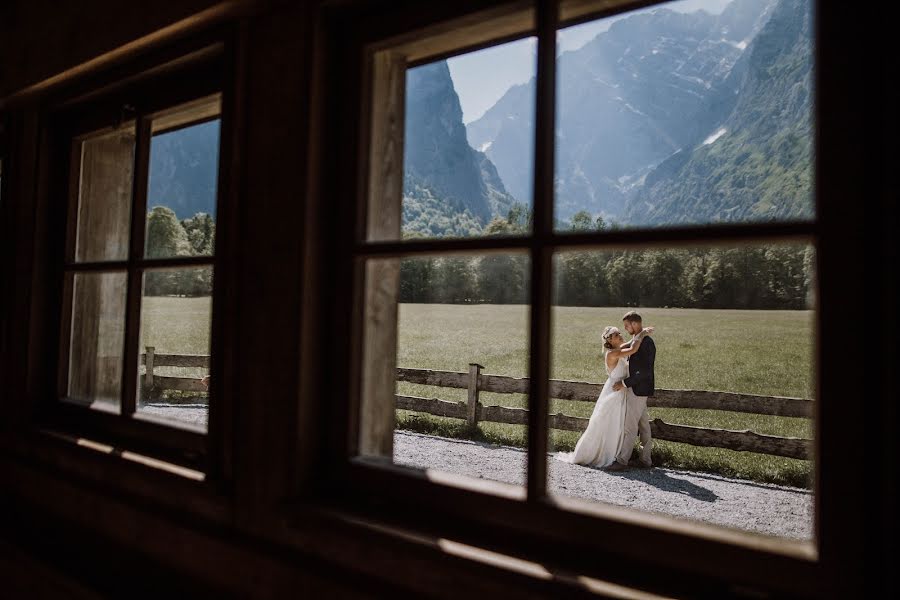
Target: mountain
x=626, y=101
x=755, y=164
x=449, y=187
x=505, y=133
x=184, y=168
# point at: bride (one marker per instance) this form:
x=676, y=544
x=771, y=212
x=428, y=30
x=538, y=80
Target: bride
x=601, y=441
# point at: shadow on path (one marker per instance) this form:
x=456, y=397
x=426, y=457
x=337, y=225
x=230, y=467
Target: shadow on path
x=658, y=478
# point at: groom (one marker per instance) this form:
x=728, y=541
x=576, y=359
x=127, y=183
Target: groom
x=639, y=385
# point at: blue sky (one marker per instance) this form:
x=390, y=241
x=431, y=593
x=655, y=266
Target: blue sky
x=482, y=77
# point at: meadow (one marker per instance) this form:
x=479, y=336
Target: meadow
x=756, y=352
x=177, y=326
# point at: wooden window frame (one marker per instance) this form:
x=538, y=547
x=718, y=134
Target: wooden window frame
x=6, y=247
x=154, y=82
x=494, y=516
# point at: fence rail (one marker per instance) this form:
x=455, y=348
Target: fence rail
x=473, y=411
x=154, y=384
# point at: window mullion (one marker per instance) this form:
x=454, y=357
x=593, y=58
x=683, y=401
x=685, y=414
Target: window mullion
x=135, y=272
x=65, y=338
x=540, y=253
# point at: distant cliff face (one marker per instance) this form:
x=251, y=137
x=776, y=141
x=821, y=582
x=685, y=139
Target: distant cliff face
x=626, y=101
x=444, y=176
x=184, y=167
x=756, y=162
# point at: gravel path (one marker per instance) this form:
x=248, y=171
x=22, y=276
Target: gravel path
x=194, y=414
x=758, y=507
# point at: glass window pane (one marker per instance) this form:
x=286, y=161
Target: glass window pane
x=724, y=386
x=445, y=354
x=184, y=167
x=686, y=113
x=104, y=198
x=467, y=147
x=97, y=339
x=176, y=315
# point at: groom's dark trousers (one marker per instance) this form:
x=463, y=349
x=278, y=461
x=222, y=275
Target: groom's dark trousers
x=640, y=384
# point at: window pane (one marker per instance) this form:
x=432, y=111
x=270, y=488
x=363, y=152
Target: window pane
x=104, y=199
x=184, y=166
x=97, y=339
x=176, y=314
x=431, y=323
x=686, y=113
x=467, y=147
x=729, y=372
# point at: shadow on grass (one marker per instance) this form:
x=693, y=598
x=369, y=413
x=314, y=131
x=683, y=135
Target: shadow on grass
x=669, y=456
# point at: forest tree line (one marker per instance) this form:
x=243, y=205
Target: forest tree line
x=778, y=276
x=168, y=237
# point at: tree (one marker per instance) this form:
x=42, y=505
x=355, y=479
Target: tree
x=165, y=234
x=661, y=273
x=519, y=217
x=623, y=274
x=416, y=280
x=501, y=279
x=499, y=226
x=168, y=237
x=454, y=281
x=582, y=221
x=582, y=279
x=201, y=233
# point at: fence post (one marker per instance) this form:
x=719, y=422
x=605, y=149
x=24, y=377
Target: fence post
x=148, y=362
x=472, y=412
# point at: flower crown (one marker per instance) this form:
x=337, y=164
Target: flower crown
x=609, y=332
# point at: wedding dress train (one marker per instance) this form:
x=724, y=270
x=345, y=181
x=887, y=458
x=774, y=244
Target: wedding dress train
x=601, y=441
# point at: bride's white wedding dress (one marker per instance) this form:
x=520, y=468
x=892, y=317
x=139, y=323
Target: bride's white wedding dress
x=600, y=442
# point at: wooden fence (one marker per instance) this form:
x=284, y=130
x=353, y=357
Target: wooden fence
x=154, y=384
x=473, y=411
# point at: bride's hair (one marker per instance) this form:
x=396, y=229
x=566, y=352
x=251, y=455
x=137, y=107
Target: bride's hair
x=607, y=334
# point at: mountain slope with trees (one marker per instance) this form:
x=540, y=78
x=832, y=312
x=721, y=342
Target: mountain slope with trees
x=757, y=164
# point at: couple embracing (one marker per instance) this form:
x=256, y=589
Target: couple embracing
x=621, y=410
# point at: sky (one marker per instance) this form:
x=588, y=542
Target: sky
x=482, y=77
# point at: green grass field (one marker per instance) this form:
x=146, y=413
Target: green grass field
x=756, y=352
x=177, y=326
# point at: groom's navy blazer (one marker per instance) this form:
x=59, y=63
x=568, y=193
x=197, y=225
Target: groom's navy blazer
x=640, y=369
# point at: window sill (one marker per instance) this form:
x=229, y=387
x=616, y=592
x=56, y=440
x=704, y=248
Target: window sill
x=563, y=535
x=114, y=470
